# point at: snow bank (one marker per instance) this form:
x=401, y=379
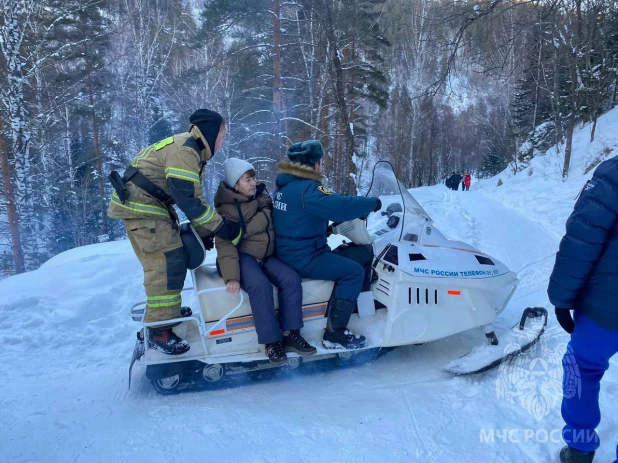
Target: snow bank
x=539, y=190
x=77, y=298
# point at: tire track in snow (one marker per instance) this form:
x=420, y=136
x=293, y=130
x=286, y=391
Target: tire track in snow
x=506, y=233
x=449, y=216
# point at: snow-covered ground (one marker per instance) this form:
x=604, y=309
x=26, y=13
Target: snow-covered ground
x=67, y=340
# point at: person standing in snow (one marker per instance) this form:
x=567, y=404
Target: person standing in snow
x=252, y=266
x=303, y=208
x=453, y=180
x=467, y=180
x=160, y=176
x=456, y=181
x=584, y=281
x=449, y=181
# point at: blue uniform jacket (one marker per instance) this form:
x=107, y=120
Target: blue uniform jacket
x=585, y=276
x=302, y=210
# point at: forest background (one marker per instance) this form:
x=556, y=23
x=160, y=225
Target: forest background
x=433, y=86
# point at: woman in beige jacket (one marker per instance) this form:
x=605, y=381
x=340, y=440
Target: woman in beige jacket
x=251, y=265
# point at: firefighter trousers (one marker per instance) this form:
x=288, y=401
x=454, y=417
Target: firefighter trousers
x=158, y=247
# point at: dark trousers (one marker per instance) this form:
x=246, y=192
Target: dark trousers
x=347, y=274
x=362, y=255
x=257, y=281
x=585, y=362
x=349, y=267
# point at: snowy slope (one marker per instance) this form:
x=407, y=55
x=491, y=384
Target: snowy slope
x=539, y=191
x=68, y=339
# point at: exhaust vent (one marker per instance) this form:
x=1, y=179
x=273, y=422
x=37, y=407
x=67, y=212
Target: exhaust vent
x=423, y=296
x=391, y=255
x=415, y=257
x=484, y=260
x=384, y=287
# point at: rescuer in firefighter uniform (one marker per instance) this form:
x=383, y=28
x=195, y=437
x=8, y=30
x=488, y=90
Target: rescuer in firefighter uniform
x=163, y=174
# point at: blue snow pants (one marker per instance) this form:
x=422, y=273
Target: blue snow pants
x=585, y=362
x=347, y=274
x=256, y=280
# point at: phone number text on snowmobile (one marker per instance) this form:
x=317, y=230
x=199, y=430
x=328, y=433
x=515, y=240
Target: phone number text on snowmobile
x=447, y=273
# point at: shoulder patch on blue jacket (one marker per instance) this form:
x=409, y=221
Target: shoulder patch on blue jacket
x=324, y=190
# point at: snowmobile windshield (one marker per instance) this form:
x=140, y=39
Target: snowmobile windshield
x=396, y=202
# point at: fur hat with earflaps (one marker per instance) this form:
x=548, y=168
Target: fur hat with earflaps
x=306, y=152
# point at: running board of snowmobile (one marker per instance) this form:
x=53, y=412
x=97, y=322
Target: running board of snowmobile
x=138, y=352
x=484, y=358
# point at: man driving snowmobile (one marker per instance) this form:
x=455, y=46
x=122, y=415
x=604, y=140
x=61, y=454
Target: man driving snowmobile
x=302, y=209
x=160, y=176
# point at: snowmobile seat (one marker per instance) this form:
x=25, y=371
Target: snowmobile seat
x=216, y=305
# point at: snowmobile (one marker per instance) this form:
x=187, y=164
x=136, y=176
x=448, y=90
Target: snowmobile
x=425, y=288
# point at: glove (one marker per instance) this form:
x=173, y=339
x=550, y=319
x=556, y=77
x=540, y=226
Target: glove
x=378, y=205
x=565, y=319
x=230, y=231
x=209, y=242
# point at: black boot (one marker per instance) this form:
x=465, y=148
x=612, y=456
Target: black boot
x=343, y=339
x=275, y=353
x=167, y=342
x=294, y=342
x=337, y=336
x=339, y=312
x=570, y=455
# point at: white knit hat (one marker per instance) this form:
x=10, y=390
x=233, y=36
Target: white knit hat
x=234, y=168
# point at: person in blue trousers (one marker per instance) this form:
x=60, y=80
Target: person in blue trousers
x=303, y=206
x=585, y=281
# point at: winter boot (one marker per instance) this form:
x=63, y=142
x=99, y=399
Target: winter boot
x=343, y=339
x=338, y=314
x=275, y=353
x=294, y=342
x=167, y=342
x=570, y=455
x=337, y=336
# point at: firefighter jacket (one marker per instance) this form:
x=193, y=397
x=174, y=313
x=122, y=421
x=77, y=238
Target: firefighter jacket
x=175, y=165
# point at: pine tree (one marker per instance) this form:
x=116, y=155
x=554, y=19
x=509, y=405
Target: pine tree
x=492, y=164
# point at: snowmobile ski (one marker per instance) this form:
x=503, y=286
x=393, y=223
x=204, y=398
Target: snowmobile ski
x=517, y=340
